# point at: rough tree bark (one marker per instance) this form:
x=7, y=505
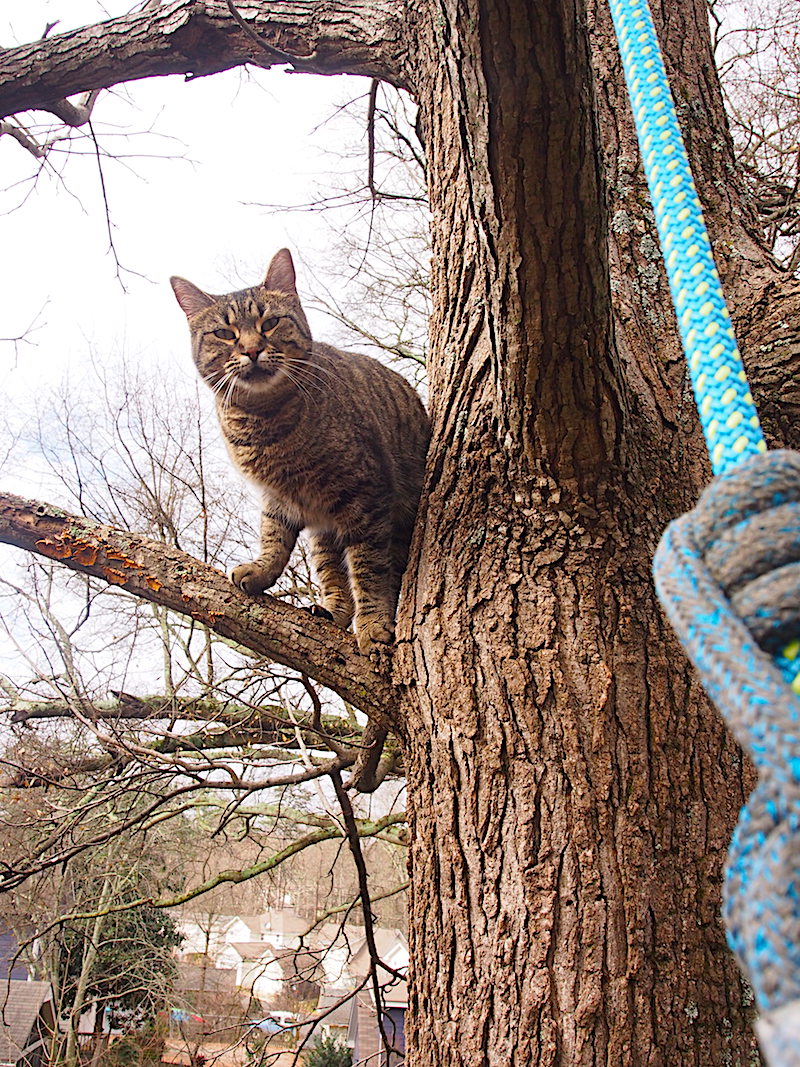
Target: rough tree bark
x=572, y=793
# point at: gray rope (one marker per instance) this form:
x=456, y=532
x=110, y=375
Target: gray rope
x=728, y=575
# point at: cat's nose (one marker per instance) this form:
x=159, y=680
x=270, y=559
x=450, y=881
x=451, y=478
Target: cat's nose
x=251, y=346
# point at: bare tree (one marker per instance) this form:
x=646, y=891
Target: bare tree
x=215, y=733
x=759, y=53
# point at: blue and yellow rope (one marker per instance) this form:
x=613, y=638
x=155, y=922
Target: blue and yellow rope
x=727, y=413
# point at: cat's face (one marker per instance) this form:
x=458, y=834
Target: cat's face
x=245, y=343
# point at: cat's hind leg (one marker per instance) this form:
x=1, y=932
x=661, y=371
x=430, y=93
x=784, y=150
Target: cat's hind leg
x=278, y=538
x=331, y=569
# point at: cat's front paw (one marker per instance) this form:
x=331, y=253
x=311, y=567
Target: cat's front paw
x=253, y=578
x=372, y=634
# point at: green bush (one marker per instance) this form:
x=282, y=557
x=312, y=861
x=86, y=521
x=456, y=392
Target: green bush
x=328, y=1052
x=135, y=1050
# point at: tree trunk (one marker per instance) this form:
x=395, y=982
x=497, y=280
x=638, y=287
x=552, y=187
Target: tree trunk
x=88, y=963
x=572, y=792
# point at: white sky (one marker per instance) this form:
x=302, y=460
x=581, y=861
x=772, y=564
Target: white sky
x=244, y=136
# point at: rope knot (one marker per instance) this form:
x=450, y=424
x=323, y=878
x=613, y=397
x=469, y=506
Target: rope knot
x=728, y=576
x=747, y=529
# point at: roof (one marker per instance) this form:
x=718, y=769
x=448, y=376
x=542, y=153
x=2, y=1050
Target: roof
x=330, y=1015
x=208, y=979
x=21, y=1004
x=388, y=943
x=298, y=964
x=283, y=922
x=395, y=996
x=339, y=934
x=252, y=922
x=252, y=950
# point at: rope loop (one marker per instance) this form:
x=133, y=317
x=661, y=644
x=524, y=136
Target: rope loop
x=728, y=575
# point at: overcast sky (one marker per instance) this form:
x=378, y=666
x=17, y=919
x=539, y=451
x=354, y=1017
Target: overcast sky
x=194, y=157
x=195, y=161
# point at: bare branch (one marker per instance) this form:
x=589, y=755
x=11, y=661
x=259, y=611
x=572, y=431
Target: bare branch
x=354, y=841
x=23, y=137
x=74, y=114
x=164, y=575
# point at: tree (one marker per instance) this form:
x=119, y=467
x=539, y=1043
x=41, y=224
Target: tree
x=328, y=1052
x=572, y=794
x=760, y=74
x=72, y=926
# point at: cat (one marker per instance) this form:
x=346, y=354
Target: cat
x=335, y=441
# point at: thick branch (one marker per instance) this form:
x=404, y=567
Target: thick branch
x=262, y=724
x=166, y=576
x=199, y=37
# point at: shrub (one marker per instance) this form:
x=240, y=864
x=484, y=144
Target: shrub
x=328, y=1052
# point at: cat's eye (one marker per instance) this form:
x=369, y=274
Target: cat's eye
x=270, y=324
x=225, y=335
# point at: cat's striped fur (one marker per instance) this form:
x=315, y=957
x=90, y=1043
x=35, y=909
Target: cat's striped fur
x=335, y=441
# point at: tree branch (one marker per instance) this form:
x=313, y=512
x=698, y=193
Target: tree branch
x=200, y=37
x=167, y=576
x=21, y=136
x=362, y=828
x=263, y=723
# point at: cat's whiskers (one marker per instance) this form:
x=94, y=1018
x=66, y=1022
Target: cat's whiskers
x=301, y=387
x=312, y=374
x=319, y=368
x=224, y=386
x=233, y=378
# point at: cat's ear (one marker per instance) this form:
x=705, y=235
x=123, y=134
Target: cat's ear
x=190, y=298
x=280, y=274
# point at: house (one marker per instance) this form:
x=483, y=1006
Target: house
x=283, y=928
x=336, y=945
x=274, y=958
x=333, y=1011
x=207, y=935
x=255, y=966
x=363, y=1029
x=242, y=928
x=27, y=1021
x=269, y=974
x=392, y=949
x=364, y=1034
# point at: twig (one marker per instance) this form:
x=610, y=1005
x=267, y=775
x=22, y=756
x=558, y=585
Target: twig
x=371, y=109
x=354, y=841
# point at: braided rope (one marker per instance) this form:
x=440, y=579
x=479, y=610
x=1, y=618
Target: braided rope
x=728, y=574
x=727, y=412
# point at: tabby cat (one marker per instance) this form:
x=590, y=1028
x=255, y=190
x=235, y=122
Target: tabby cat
x=334, y=440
